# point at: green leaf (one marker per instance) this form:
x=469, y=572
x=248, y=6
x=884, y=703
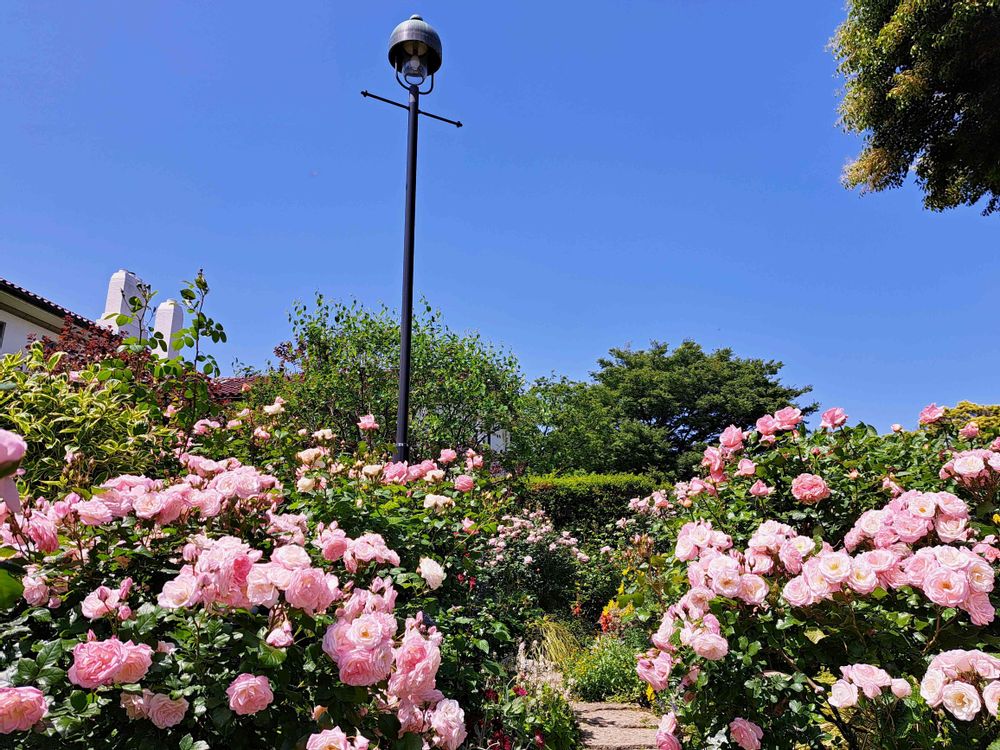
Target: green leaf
x=815, y=635
x=10, y=590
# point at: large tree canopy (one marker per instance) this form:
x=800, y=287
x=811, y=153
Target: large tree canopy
x=923, y=86
x=650, y=409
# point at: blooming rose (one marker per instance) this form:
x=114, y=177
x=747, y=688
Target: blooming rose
x=732, y=438
x=329, y=739
x=23, y=707
x=843, y=694
x=309, y=590
x=745, y=733
x=900, y=688
x=945, y=587
x=833, y=418
x=971, y=430
x=138, y=659
x=448, y=722
x=163, y=711
x=249, y=694
x=464, y=483
x=665, y=738
x=931, y=414
x=787, y=418
x=991, y=696
x=367, y=423
x=961, y=699
x=97, y=663
x=809, y=488
x=932, y=686
x=710, y=646
x=92, y=512
x=432, y=572
x=759, y=489
x=447, y=456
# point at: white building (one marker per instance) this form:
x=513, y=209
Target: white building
x=24, y=314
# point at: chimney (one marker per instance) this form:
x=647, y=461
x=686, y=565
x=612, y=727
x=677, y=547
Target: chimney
x=169, y=319
x=123, y=286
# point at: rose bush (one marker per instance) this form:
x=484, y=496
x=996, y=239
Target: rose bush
x=158, y=612
x=830, y=588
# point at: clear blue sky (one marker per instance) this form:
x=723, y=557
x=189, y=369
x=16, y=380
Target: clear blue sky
x=628, y=171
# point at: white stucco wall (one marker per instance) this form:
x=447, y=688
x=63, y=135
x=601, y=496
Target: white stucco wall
x=22, y=319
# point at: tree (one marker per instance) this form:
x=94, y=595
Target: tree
x=923, y=86
x=343, y=362
x=651, y=409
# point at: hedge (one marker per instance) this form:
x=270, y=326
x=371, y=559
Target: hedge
x=588, y=501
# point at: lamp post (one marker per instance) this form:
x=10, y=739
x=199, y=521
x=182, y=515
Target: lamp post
x=415, y=56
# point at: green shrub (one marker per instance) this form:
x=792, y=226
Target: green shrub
x=81, y=429
x=587, y=501
x=606, y=671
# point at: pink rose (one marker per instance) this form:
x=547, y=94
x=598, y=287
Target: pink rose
x=138, y=659
x=163, y=711
x=93, y=512
x=931, y=414
x=309, y=590
x=991, y=696
x=448, y=722
x=23, y=707
x=870, y=679
x=962, y=700
x=970, y=431
x=945, y=587
x=745, y=468
x=367, y=423
x=710, y=646
x=901, y=688
x=809, y=488
x=665, y=733
x=759, y=489
x=464, y=483
x=787, y=418
x=731, y=438
x=447, y=456
x=767, y=425
x=329, y=739
x=42, y=532
x=932, y=686
x=97, y=663
x=833, y=418
x=843, y=694
x=249, y=694
x=655, y=671
x=745, y=733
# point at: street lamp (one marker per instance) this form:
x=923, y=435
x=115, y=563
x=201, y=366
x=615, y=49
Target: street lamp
x=415, y=55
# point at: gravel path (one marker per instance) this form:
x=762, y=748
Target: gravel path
x=615, y=726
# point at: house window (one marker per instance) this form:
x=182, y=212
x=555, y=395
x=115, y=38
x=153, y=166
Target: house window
x=2, y=327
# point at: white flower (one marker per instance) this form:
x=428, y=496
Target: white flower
x=432, y=572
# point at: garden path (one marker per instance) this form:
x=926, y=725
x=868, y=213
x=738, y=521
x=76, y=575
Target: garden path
x=615, y=726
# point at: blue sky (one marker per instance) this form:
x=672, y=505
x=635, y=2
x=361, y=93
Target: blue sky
x=628, y=171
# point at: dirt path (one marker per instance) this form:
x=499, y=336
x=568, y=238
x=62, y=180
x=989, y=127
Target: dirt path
x=615, y=726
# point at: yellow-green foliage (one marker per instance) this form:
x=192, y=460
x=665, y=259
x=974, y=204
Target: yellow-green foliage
x=557, y=642
x=987, y=416
x=78, y=433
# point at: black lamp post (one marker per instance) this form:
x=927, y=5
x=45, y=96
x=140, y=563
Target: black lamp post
x=415, y=55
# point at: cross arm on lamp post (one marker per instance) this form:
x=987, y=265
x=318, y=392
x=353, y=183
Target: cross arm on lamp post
x=370, y=95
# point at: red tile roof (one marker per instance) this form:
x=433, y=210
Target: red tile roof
x=40, y=302
x=230, y=389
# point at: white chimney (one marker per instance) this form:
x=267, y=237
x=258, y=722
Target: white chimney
x=123, y=286
x=169, y=319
